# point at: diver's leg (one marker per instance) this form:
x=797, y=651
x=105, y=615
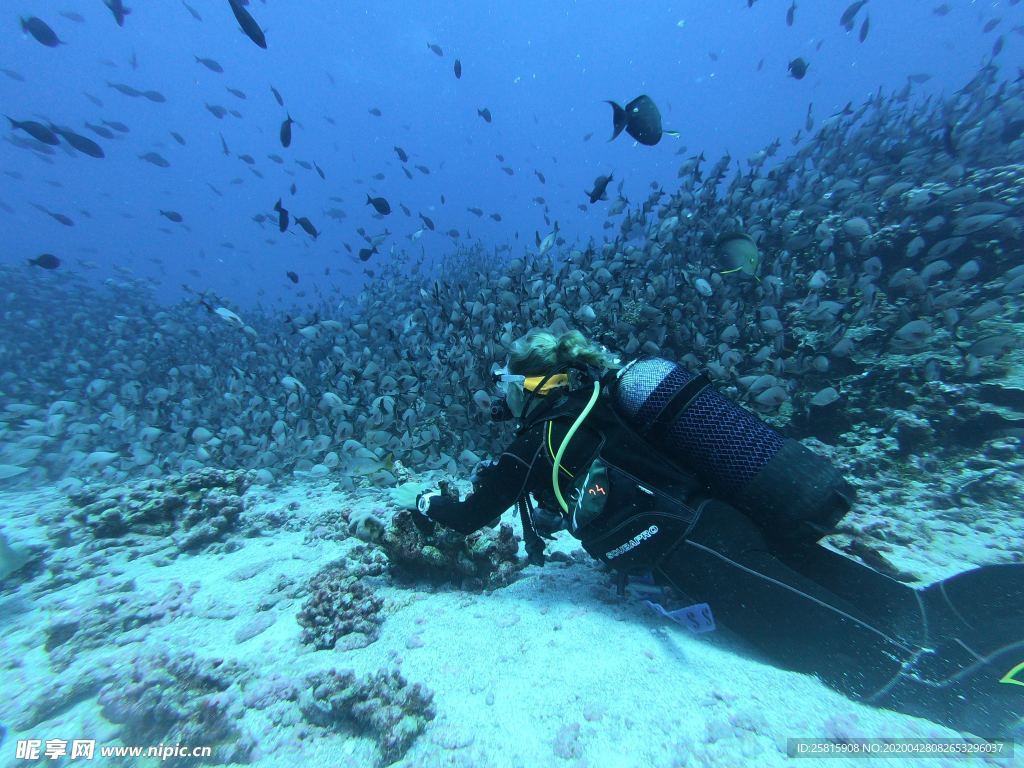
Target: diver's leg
x=790, y=619
x=984, y=605
x=972, y=676
x=886, y=602
x=866, y=640
x=952, y=684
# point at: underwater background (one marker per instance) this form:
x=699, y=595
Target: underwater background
x=206, y=402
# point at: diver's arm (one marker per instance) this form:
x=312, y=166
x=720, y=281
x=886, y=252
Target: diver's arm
x=495, y=488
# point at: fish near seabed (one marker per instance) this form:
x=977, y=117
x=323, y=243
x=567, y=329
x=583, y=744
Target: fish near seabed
x=737, y=252
x=45, y=260
x=640, y=118
x=549, y=240
x=11, y=560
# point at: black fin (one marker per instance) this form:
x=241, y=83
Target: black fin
x=619, y=119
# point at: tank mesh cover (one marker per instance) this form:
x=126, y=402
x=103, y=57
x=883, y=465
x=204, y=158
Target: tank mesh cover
x=714, y=437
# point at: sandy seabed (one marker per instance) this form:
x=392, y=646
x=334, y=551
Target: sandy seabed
x=554, y=670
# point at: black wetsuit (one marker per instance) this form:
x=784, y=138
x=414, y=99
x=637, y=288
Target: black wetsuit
x=800, y=605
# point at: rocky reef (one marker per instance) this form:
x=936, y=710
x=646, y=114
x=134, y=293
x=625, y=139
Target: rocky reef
x=382, y=706
x=160, y=698
x=484, y=560
x=197, y=510
x=342, y=610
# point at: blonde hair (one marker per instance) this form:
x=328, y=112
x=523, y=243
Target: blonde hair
x=539, y=351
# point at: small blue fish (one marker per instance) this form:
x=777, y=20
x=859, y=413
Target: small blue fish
x=117, y=8
x=41, y=31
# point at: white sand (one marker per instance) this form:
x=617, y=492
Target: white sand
x=554, y=670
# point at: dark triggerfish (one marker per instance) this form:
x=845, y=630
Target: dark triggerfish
x=641, y=119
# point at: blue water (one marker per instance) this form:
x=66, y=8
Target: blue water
x=543, y=70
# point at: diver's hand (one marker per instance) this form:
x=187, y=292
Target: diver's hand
x=406, y=495
x=416, y=498
x=420, y=517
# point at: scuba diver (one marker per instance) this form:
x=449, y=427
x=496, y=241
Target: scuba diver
x=657, y=474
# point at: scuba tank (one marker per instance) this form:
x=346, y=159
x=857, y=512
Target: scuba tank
x=745, y=462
